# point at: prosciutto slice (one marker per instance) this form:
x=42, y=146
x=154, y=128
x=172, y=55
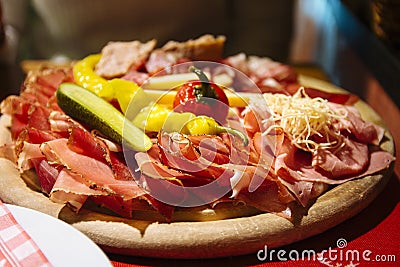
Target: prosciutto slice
x=268, y=75
x=150, y=165
x=179, y=153
x=70, y=188
x=363, y=131
x=46, y=173
x=292, y=167
x=268, y=198
x=28, y=152
x=118, y=57
x=95, y=173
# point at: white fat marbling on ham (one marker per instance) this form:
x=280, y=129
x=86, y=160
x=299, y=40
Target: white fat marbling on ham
x=300, y=189
x=118, y=57
x=136, y=76
x=71, y=189
x=29, y=151
x=71, y=182
x=267, y=74
x=160, y=60
x=61, y=123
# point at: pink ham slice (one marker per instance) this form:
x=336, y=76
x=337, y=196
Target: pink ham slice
x=28, y=152
x=274, y=77
x=46, y=173
x=75, y=184
x=303, y=173
x=178, y=152
x=291, y=168
x=96, y=174
x=160, y=60
x=36, y=136
x=71, y=188
x=88, y=144
x=83, y=142
x=118, y=57
x=268, y=75
x=61, y=123
x=351, y=159
x=136, y=76
x=363, y=131
x=150, y=165
x=268, y=198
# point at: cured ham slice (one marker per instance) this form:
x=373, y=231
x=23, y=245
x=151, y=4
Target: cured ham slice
x=86, y=143
x=268, y=75
x=81, y=141
x=136, y=76
x=116, y=204
x=349, y=160
x=74, y=201
x=363, y=131
x=211, y=148
x=119, y=167
x=95, y=173
x=32, y=109
x=150, y=165
x=46, y=173
x=266, y=198
x=41, y=88
x=61, y=123
x=70, y=188
x=178, y=152
x=274, y=77
x=162, y=208
x=118, y=57
x=54, y=77
x=36, y=136
x=71, y=182
x=38, y=118
x=160, y=60
x=51, y=80
x=28, y=152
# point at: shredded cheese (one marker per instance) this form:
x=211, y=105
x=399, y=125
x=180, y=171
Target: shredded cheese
x=306, y=121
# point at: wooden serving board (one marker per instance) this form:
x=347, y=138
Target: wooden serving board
x=208, y=239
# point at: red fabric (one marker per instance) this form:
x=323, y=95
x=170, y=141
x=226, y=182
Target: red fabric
x=375, y=229
x=16, y=246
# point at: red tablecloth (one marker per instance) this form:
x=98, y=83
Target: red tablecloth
x=374, y=232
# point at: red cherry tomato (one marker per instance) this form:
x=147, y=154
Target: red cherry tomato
x=202, y=97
